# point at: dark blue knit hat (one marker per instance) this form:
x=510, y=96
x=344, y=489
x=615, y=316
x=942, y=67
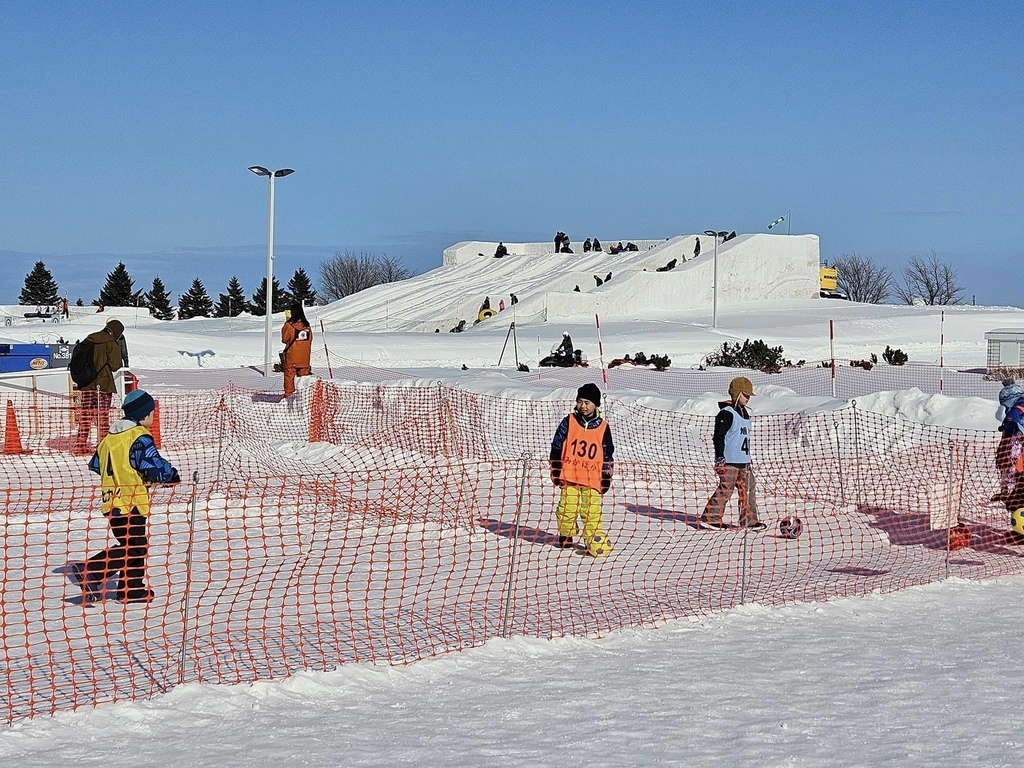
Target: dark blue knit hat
x=138, y=405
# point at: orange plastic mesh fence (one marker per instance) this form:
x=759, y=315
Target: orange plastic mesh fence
x=420, y=520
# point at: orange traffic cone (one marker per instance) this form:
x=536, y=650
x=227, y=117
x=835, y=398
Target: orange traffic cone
x=155, y=429
x=12, y=435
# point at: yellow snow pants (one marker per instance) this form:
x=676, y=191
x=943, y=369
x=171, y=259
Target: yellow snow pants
x=580, y=502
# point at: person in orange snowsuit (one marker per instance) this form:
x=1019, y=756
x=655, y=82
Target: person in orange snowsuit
x=297, y=337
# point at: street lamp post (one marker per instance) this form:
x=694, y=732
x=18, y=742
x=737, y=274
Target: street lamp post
x=268, y=297
x=714, y=293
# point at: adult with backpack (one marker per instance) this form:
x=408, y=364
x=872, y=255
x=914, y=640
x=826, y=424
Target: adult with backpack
x=92, y=366
x=297, y=337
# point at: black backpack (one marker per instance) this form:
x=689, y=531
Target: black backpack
x=82, y=368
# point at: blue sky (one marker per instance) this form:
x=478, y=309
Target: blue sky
x=889, y=129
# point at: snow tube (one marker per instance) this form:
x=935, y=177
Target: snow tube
x=485, y=314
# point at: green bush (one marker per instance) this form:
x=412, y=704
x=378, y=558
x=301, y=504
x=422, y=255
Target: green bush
x=754, y=355
x=894, y=356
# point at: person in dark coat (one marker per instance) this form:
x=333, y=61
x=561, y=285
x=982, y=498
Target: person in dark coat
x=565, y=349
x=586, y=245
x=513, y=299
x=696, y=249
x=596, y=245
x=501, y=251
x=96, y=394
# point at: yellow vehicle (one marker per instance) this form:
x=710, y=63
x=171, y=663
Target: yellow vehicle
x=828, y=283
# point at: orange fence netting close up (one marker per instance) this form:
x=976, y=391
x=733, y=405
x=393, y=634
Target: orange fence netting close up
x=389, y=523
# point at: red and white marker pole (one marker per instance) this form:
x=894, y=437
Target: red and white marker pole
x=600, y=350
x=942, y=339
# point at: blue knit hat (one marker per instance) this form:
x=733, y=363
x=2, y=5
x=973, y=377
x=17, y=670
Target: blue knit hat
x=138, y=405
x=1010, y=393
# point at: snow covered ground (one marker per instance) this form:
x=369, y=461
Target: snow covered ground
x=926, y=677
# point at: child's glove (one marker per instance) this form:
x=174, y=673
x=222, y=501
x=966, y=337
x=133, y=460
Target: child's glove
x=175, y=478
x=556, y=472
x=720, y=466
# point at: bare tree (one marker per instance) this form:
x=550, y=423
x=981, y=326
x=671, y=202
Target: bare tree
x=861, y=279
x=930, y=280
x=392, y=270
x=346, y=273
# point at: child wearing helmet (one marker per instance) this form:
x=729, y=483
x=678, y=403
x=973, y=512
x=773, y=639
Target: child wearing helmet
x=732, y=460
x=565, y=347
x=127, y=462
x=582, y=455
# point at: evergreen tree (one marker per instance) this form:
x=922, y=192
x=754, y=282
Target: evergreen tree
x=119, y=290
x=259, y=302
x=301, y=289
x=40, y=288
x=79, y=302
x=159, y=301
x=232, y=303
x=195, y=302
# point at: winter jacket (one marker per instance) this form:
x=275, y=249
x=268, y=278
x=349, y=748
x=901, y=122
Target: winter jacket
x=608, y=447
x=1013, y=421
x=298, y=340
x=127, y=475
x=723, y=423
x=106, y=358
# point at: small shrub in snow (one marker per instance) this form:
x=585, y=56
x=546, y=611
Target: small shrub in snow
x=894, y=356
x=754, y=355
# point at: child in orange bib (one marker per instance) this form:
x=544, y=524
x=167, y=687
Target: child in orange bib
x=581, y=459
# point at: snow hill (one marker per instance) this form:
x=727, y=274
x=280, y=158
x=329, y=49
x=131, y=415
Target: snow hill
x=750, y=268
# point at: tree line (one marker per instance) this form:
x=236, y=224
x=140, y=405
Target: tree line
x=342, y=275
x=926, y=279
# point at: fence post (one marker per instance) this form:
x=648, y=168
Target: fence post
x=832, y=354
x=743, y=569
x=954, y=495
x=188, y=580
x=507, y=607
x=839, y=464
x=220, y=439
x=856, y=452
